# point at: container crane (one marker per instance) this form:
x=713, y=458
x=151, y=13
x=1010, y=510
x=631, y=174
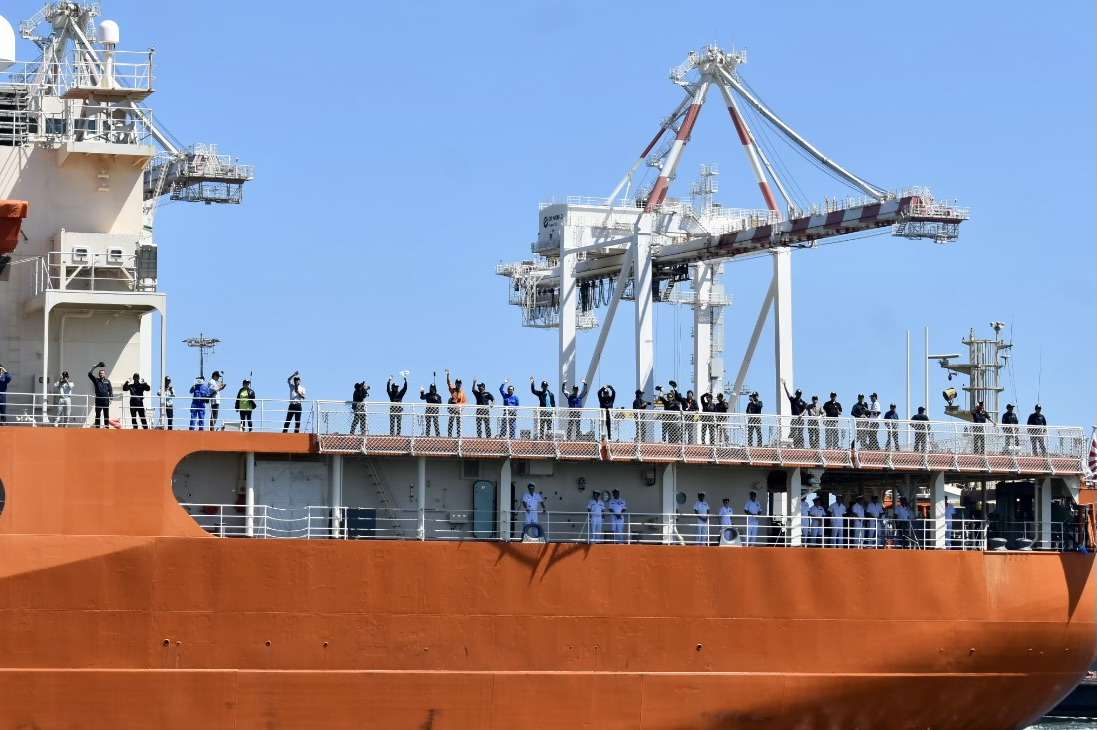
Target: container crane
x=637, y=241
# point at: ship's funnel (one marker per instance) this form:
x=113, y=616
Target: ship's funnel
x=7, y=43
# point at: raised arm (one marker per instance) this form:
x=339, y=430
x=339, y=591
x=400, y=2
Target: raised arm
x=583, y=393
x=404, y=389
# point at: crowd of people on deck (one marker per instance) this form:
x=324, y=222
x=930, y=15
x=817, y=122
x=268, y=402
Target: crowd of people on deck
x=862, y=522
x=809, y=425
x=813, y=424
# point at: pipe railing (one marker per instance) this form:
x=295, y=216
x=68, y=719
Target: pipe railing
x=514, y=430
x=500, y=431
x=89, y=271
x=180, y=412
x=322, y=522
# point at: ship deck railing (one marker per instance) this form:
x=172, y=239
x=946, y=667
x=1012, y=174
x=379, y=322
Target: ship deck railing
x=74, y=77
x=86, y=271
x=469, y=431
x=324, y=522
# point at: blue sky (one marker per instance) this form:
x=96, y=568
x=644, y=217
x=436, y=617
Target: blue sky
x=402, y=150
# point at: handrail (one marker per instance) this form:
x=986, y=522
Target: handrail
x=676, y=528
x=498, y=430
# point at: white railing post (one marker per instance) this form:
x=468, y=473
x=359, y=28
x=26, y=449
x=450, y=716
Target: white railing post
x=938, y=501
x=793, y=497
x=421, y=496
x=668, y=491
x=505, y=496
x=1043, y=488
x=249, y=494
x=336, y=491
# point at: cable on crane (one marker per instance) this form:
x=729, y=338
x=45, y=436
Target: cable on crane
x=768, y=132
x=801, y=152
x=758, y=123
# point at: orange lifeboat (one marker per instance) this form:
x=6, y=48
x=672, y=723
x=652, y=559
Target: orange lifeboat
x=12, y=213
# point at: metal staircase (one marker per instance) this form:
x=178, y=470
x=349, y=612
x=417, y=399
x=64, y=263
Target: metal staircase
x=384, y=495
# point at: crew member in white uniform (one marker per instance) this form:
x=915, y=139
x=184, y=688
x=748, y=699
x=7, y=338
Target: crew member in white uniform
x=531, y=500
x=617, y=510
x=595, y=508
x=857, y=532
x=815, y=520
x=65, y=388
x=875, y=511
x=700, y=508
x=725, y=515
x=726, y=512
x=753, y=509
x=838, y=525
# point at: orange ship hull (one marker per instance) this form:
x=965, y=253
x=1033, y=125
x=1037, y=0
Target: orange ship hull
x=118, y=611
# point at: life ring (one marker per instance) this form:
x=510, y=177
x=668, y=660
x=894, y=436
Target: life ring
x=533, y=530
x=729, y=534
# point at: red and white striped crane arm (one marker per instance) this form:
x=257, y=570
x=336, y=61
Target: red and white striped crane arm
x=750, y=146
x=670, y=165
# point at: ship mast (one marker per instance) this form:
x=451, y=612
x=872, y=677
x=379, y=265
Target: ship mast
x=986, y=358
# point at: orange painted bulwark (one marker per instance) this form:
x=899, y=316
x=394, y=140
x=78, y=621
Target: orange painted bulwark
x=116, y=611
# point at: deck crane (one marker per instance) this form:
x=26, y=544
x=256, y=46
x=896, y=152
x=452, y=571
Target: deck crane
x=638, y=241
x=110, y=85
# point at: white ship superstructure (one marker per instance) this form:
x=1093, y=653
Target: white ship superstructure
x=77, y=140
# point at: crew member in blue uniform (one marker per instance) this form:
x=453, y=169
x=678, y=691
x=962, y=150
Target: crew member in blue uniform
x=892, y=428
x=199, y=396
x=920, y=428
x=1009, y=427
x=103, y=393
x=1037, y=432
x=754, y=421
x=797, y=406
x=5, y=379
x=510, y=410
